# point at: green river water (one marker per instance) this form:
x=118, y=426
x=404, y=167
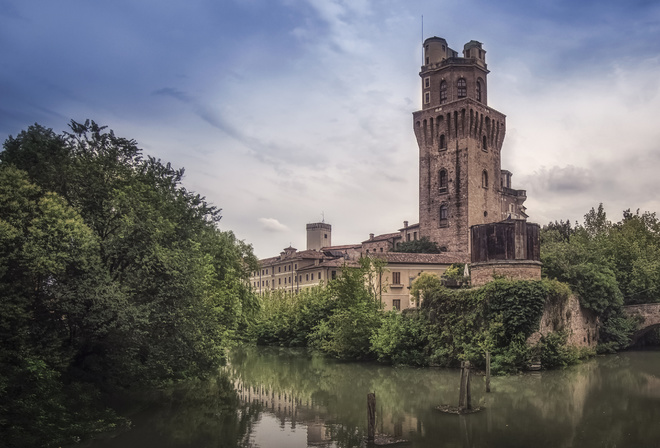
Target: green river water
x=271, y=397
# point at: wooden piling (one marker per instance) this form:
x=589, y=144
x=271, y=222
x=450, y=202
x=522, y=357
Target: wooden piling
x=371, y=417
x=465, y=396
x=487, y=371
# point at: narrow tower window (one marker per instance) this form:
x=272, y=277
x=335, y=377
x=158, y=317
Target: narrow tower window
x=443, y=215
x=427, y=97
x=484, y=179
x=478, y=90
x=443, y=92
x=484, y=142
x=442, y=181
x=462, y=88
x=443, y=142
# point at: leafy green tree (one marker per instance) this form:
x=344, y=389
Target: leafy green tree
x=420, y=246
x=111, y=272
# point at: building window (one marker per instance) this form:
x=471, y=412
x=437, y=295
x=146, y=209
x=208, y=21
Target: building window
x=462, y=88
x=306, y=277
x=407, y=237
x=320, y=275
x=479, y=90
x=427, y=82
x=290, y=280
x=279, y=269
x=396, y=304
x=427, y=97
x=484, y=142
x=467, y=53
x=334, y=275
x=484, y=179
x=442, y=181
x=443, y=142
x=279, y=281
x=415, y=236
x=325, y=235
x=427, y=60
x=312, y=276
x=396, y=278
x=444, y=215
x=381, y=249
x=295, y=266
x=443, y=92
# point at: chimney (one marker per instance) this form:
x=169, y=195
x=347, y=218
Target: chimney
x=371, y=236
x=405, y=223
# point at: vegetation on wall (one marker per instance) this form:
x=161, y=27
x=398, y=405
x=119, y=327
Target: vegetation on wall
x=112, y=276
x=420, y=246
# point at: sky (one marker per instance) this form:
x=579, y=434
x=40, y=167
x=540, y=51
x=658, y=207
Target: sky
x=286, y=112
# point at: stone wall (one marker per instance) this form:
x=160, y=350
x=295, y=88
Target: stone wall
x=482, y=273
x=580, y=324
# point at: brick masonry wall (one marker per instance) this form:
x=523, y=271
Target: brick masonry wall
x=482, y=273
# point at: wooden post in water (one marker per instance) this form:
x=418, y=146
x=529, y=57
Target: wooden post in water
x=371, y=417
x=465, y=397
x=487, y=371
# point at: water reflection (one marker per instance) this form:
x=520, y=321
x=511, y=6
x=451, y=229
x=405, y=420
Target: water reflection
x=610, y=401
x=271, y=398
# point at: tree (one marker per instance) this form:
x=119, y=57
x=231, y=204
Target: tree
x=114, y=273
x=420, y=246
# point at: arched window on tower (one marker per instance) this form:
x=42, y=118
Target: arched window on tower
x=443, y=92
x=442, y=181
x=462, y=88
x=479, y=90
x=484, y=179
x=444, y=216
x=484, y=143
x=442, y=143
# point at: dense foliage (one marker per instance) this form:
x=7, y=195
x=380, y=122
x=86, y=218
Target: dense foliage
x=112, y=275
x=338, y=319
x=607, y=265
x=420, y=246
x=345, y=320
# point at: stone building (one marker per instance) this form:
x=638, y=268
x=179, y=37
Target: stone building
x=460, y=139
x=461, y=185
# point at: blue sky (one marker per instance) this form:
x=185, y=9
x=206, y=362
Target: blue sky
x=284, y=110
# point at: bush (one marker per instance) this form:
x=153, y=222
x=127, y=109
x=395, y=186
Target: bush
x=555, y=353
x=403, y=339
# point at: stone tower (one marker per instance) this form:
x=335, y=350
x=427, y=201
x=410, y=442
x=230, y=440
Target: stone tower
x=460, y=139
x=319, y=234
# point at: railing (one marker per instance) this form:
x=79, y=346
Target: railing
x=512, y=192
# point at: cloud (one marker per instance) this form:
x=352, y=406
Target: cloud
x=272, y=225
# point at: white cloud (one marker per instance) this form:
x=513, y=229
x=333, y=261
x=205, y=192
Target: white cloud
x=272, y=225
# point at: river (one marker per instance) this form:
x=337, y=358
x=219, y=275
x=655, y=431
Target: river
x=275, y=397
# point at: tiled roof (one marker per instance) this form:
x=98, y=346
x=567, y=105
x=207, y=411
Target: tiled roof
x=411, y=226
x=346, y=246
x=400, y=257
x=305, y=254
x=383, y=237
